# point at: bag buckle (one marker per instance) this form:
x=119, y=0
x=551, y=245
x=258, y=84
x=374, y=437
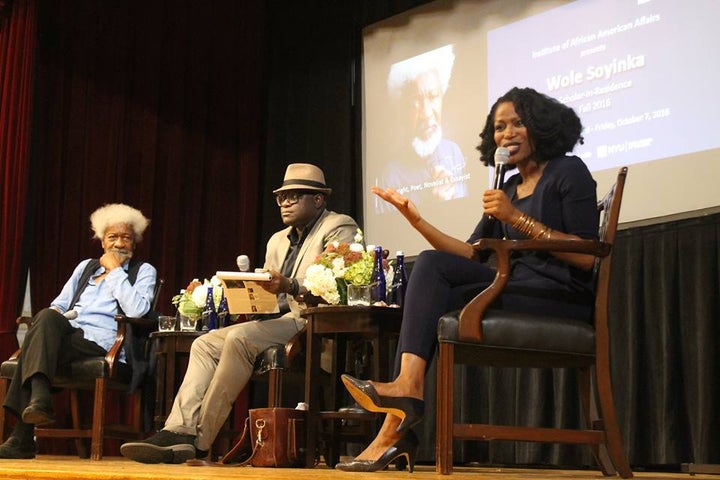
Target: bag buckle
x=259, y=424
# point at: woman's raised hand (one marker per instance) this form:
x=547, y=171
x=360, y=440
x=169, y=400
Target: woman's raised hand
x=402, y=203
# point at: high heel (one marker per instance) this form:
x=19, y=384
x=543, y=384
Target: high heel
x=404, y=449
x=410, y=410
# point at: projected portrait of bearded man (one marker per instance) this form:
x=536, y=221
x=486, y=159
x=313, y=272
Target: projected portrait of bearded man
x=423, y=165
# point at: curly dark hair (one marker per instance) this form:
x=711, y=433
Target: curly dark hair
x=553, y=127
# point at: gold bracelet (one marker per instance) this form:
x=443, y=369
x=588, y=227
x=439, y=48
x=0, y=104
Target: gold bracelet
x=542, y=231
x=519, y=221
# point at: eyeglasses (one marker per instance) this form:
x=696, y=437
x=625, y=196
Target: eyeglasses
x=290, y=197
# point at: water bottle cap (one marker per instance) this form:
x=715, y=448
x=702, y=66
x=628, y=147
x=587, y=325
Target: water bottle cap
x=399, y=252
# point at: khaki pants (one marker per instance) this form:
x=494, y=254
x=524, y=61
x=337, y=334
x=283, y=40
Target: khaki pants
x=220, y=365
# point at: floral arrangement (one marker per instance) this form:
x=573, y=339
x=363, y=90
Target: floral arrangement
x=340, y=264
x=191, y=300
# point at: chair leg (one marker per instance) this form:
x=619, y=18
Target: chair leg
x=593, y=421
x=607, y=411
x=444, y=418
x=98, y=422
x=275, y=387
x=80, y=443
x=4, y=383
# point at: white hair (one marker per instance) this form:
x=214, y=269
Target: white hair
x=114, y=213
x=440, y=60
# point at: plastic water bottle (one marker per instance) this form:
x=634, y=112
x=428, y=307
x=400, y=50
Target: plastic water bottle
x=377, y=278
x=399, y=282
x=209, y=315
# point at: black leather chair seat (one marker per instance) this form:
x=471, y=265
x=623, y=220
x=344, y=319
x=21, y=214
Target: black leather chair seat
x=507, y=330
x=78, y=373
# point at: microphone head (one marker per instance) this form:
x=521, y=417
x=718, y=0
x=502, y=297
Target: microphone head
x=502, y=155
x=243, y=263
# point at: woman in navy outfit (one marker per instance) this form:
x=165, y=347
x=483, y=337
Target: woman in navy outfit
x=551, y=196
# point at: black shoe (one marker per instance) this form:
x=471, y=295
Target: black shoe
x=404, y=449
x=410, y=410
x=38, y=412
x=17, y=449
x=163, y=447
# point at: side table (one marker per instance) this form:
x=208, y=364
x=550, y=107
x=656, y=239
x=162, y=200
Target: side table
x=379, y=325
x=172, y=350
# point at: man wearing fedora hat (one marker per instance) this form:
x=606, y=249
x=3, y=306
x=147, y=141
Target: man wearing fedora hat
x=221, y=361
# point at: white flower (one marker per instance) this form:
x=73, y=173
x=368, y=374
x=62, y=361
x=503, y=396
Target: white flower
x=338, y=267
x=358, y=236
x=199, y=295
x=321, y=283
x=357, y=247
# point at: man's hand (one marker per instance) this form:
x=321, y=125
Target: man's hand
x=112, y=260
x=278, y=283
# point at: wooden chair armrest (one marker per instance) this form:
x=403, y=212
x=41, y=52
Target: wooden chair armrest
x=112, y=357
x=590, y=247
x=19, y=321
x=470, y=320
x=294, y=346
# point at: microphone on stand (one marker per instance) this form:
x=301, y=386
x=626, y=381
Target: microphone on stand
x=502, y=155
x=243, y=263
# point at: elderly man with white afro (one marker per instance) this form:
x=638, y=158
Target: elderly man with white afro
x=80, y=322
x=115, y=213
x=440, y=60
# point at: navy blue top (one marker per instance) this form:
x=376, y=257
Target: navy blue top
x=565, y=200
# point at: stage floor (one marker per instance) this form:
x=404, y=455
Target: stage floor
x=116, y=468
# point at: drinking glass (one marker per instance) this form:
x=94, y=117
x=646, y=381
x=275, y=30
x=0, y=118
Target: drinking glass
x=187, y=324
x=166, y=323
x=358, y=295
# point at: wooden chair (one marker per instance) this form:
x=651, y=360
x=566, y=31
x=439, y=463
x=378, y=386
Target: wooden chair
x=98, y=375
x=275, y=362
x=481, y=335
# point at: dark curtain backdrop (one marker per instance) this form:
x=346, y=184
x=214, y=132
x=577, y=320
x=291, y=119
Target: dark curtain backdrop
x=192, y=114
x=154, y=104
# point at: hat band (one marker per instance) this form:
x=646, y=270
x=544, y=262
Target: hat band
x=308, y=183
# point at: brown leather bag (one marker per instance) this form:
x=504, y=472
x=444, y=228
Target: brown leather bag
x=272, y=437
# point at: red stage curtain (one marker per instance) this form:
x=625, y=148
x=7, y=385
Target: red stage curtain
x=17, y=49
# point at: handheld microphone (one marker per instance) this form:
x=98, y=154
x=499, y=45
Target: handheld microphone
x=502, y=155
x=243, y=263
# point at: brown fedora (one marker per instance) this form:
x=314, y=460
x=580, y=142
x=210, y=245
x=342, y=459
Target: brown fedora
x=304, y=176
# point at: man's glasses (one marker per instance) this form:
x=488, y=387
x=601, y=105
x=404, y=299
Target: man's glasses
x=291, y=198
